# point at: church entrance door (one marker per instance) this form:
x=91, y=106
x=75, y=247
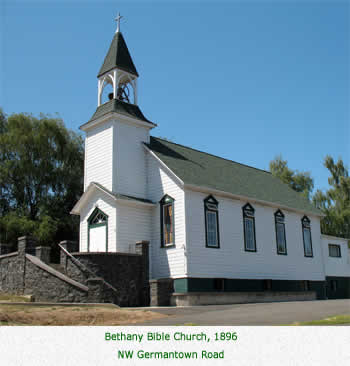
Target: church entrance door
x=98, y=238
x=97, y=231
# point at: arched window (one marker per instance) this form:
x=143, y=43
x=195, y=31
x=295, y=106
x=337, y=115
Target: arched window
x=98, y=231
x=308, y=252
x=167, y=221
x=280, y=233
x=211, y=222
x=249, y=228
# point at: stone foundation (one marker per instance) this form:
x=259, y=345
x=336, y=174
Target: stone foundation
x=161, y=291
x=192, y=284
x=223, y=298
x=204, y=291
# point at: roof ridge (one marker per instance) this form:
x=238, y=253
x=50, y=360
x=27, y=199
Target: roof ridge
x=215, y=156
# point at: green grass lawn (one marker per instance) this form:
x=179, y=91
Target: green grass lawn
x=334, y=320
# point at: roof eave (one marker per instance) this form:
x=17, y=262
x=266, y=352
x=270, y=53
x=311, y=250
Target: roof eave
x=134, y=202
x=94, y=122
x=82, y=200
x=95, y=186
x=334, y=237
x=204, y=189
x=131, y=74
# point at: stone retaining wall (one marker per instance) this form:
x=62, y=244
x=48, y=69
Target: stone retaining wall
x=45, y=285
x=9, y=275
x=126, y=272
x=120, y=278
x=21, y=273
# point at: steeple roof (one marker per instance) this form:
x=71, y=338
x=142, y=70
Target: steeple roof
x=118, y=56
x=118, y=106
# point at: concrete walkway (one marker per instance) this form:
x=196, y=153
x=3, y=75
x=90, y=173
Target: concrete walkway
x=252, y=314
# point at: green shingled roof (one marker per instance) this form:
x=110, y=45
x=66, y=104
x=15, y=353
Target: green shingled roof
x=122, y=196
x=118, y=56
x=206, y=170
x=118, y=106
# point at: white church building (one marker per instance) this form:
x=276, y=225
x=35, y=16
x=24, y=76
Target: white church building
x=213, y=224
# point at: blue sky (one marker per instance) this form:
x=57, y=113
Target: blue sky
x=242, y=80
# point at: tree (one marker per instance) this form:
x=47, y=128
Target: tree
x=41, y=176
x=335, y=202
x=299, y=181
x=3, y=202
x=2, y=121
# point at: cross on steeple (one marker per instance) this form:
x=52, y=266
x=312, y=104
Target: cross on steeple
x=117, y=19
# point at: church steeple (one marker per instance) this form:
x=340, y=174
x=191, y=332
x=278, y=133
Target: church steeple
x=118, y=69
x=118, y=56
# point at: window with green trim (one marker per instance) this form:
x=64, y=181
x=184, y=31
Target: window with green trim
x=98, y=217
x=306, y=226
x=249, y=228
x=211, y=222
x=167, y=221
x=280, y=233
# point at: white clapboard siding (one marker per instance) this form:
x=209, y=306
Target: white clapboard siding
x=336, y=266
x=99, y=155
x=133, y=225
x=232, y=261
x=129, y=172
x=105, y=204
x=166, y=262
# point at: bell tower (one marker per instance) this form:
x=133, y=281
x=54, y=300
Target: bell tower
x=116, y=162
x=119, y=71
x=115, y=134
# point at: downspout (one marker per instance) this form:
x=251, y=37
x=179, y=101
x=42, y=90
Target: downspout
x=185, y=243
